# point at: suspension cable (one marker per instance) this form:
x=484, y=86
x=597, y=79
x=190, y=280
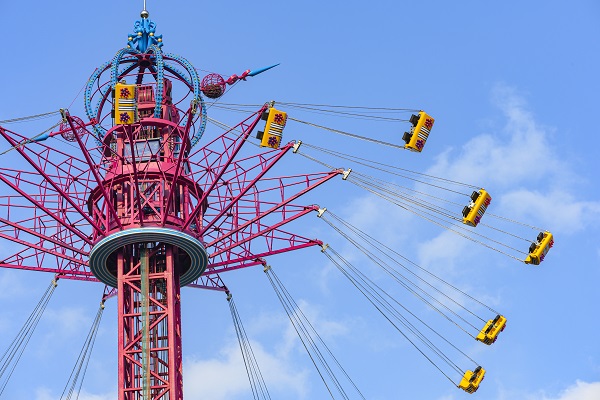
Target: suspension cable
x=373, y=164
x=386, y=187
x=353, y=135
x=352, y=107
x=75, y=381
x=345, y=113
x=379, y=299
x=257, y=382
x=413, y=288
x=307, y=334
x=371, y=239
x=30, y=117
x=13, y=353
x=515, y=222
x=27, y=141
x=369, y=186
x=452, y=228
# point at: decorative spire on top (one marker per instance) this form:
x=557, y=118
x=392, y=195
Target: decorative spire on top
x=143, y=35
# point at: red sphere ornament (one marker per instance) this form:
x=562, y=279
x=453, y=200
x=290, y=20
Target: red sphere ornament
x=213, y=86
x=68, y=134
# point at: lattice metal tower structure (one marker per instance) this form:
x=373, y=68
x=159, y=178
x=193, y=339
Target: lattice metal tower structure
x=138, y=208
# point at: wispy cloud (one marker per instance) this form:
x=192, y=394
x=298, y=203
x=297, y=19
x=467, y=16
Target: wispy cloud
x=558, y=209
x=530, y=180
x=282, y=362
x=579, y=391
x=46, y=394
x=224, y=377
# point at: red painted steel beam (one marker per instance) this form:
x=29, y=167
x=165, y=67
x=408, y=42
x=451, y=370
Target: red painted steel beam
x=250, y=185
x=241, y=262
x=184, y=141
x=46, y=210
x=245, y=133
x=92, y=165
x=66, y=197
x=66, y=274
x=260, y=233
x=277, y=206
x=43, y=237
x=135, y=178
x=42, y=249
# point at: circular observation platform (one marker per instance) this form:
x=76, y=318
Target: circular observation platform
x=192, y=257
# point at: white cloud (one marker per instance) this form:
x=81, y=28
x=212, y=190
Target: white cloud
x=558, y=209
x=225, y=377
x=530, y=181
x=46, y=394
x=519, y=152
x=68, y=320
x=376, y=217
x=580, y=391
x=442, y=251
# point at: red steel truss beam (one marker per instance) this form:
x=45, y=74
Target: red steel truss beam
x=149, y=324
x=251, y=259
x=246, y=130
x=257, y=234
x=250, y=185
x=43, y=237
x=86, y=154
x=184, y=141
x=64, y=273
x=277, y=206
x=40, y=248
x=46, y=210
x=41, y=171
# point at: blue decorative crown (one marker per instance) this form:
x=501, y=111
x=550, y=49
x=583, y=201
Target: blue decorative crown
x=143, y=35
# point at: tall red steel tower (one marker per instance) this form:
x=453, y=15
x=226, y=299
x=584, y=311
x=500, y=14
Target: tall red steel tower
x=138, y=208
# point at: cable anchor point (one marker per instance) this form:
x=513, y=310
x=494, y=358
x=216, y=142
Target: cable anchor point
x=267, y=268
x=321, y=211
x=324, y=247
x=346, y=173
x=296, y=146
x=64, y=113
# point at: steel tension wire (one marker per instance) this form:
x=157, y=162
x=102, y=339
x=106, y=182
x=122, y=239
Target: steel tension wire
x=293, y=307
x=310, y=326
x=392, y=273
x=365, y=292
x=430, y=218
x=351, y=107
x=304, y=327
x=380, y=295
x=27, y=141
x=30, y=117
x=82, y=362
x=353, y=115
x=391, y=167
x=255, y=377
x=372, y=240
x=18, y=345
x=407, y=198
x=352, y=135
x=296, y=328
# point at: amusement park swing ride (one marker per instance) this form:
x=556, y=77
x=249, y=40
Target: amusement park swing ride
x=142, y=202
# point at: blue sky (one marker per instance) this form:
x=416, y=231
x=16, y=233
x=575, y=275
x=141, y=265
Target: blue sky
x=513, y=89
